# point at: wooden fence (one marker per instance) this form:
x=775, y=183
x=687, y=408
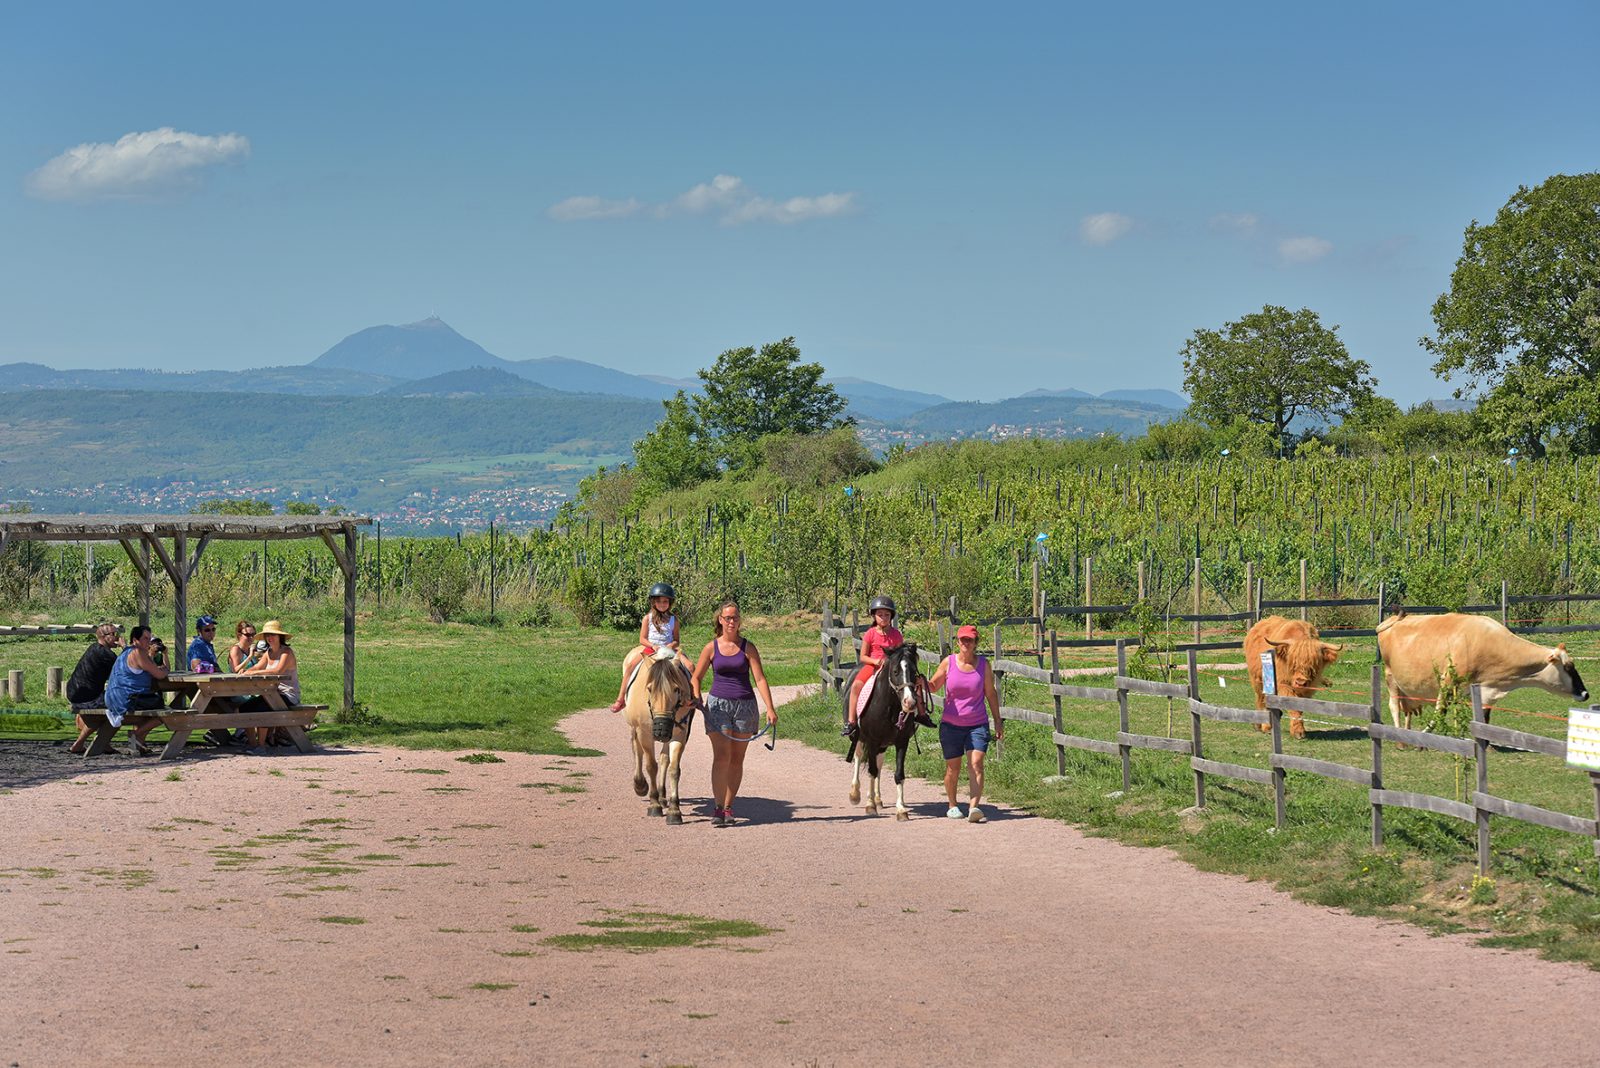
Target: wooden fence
x=1367, y=717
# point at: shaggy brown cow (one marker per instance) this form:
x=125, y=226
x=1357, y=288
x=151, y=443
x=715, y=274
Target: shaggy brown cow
x=1417, y=650
x=1299, y=660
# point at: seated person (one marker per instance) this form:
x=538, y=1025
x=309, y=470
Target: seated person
x=279, y=659
x=240, y=652
x=202, y=654
x=131, y=687
x=86, y=689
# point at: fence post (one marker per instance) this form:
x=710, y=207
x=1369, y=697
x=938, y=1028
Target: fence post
x=1375, y=715
x=1060, y=725
x=1303, y=588
x=1124, y=749
x=1280, y=801
x=826, y=659
x=1194, y=732
x=1197, y=600
x=1037, y=605
x=52, y=682
x=999, y=678
x=1480, y=754
x=14, y=683
x=1504, y=605
x=1088, y=596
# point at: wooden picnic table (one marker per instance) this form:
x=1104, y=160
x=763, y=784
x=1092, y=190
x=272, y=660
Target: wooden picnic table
x=212, y=709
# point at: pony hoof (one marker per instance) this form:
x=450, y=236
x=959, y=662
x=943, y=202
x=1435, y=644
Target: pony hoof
x=902, y=816
x=654, y=810
x=871, y=810
x=674, y=818
x=641, y=787
x=855, y=795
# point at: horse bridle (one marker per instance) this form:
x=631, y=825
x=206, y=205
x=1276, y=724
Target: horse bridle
x=688, y=717
x=907, y=682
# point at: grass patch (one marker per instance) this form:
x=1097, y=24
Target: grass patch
x=524, y=928
x=347, y=920
x=493, y=986
x=174, y=776
x=642, y=932
x=480, y=758
x=427, y=771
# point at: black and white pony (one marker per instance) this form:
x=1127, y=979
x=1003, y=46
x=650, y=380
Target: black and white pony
x=888, y=719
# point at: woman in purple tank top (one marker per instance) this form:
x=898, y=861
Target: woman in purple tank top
x=730, y=707
x=963, y=726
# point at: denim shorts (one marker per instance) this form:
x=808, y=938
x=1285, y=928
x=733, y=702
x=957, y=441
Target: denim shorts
x=958, y=740
x=724, y=715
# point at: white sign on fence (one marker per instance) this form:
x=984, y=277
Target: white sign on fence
x=1583, y=738
x=1269, y=673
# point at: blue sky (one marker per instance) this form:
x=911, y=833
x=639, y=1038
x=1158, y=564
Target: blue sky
x=968, y=199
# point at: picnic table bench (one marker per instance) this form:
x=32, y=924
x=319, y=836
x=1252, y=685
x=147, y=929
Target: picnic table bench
x=212, y=709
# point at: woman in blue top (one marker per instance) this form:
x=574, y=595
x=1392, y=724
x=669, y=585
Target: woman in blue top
x=131, y=688
x=730, y=706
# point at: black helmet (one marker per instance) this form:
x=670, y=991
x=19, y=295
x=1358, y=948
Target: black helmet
x=663, y=589
x=881, y=601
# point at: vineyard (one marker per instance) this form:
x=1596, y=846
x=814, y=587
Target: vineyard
x=967, y=522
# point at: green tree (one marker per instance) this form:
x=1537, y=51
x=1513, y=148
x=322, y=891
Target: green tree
x=1521, y=320
x=747, y=395
x=675, y=455
x=301, y=508
x=234, y=506
x=1271, y=366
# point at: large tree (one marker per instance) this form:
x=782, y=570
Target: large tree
x=748, y=394
x=1271, y=366
x=1521, y=320
x=675, y=454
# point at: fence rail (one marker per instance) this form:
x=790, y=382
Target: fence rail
x=1365, y=717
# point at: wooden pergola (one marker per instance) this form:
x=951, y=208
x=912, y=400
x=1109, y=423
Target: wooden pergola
x=144, y=536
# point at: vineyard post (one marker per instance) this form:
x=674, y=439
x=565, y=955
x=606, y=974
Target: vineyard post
x=1375, y=715
x=1141, y=581
x=999, y=676
x=1250, y=589
x=1302, y=588
x=347, y=564
x=1038, y=613
x=491, y=572
x=379, y=524
x=263, y=575
x=1504, y=605
x=88, y=568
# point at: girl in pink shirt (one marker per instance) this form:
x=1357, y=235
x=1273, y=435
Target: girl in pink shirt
x=878, y=640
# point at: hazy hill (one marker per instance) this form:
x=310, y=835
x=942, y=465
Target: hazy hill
x=304, y=380
x=1059, y=393
x=473, y=382
x=576, y=376
x=1166, y=398
x=415, y=350
x=1071, y=417
x=886, y=403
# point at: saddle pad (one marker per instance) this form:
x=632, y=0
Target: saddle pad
x=866, y=692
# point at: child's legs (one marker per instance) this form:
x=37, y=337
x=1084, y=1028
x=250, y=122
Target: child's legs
x=629, y=662
x=855, y=690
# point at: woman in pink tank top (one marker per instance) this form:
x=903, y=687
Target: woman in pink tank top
x=964, y=724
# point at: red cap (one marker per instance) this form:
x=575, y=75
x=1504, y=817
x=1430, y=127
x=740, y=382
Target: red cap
x=968, y=631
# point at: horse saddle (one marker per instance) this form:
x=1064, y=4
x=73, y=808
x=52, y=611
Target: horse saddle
x=866, y=693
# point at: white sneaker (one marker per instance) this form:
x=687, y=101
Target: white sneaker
x=954, y=813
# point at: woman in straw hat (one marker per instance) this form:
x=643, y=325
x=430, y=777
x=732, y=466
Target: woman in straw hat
x=277, y=660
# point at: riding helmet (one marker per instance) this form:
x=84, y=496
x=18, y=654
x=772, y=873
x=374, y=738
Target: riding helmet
x=663, y=589
x=881, y=601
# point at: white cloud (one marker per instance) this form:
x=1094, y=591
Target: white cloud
x=138, y=165
x=726, y=196
x=1243, y=223
x=1104, y=227
x=1303, y=249
x=576, y=208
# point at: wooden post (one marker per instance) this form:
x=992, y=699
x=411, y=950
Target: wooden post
x=348, y=565
x=1505, y=611
x=1280, y=800
x=1088, y=596
x=88, y=579
x=1250, y=589
x=14, y=683
x=1375, y=715
x=999, y=676
x=1038, y=616
x=52, y=682
x=825, y=661
x=1060, y=724
x=1194, y=731
x=1197, y=599
x=1141, y=581
x=144, y=584
x=1302, y=588
x=1480, y=753
x=1124, y=750
x=180, y=602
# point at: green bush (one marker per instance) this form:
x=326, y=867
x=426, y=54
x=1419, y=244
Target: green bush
x=440, y=579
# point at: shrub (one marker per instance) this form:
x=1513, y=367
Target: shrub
x=440, y=578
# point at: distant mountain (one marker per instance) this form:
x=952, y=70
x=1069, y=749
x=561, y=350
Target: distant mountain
x=688, y=385
x=1163, y=397
x=303, y=380
x=576, y=376
x=473, y=382
x=1059, y=393
x=415, y=350
x=1060, y=417
x=877, y=401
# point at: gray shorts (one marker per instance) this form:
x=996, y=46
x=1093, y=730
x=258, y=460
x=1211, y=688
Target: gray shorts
x=725, y=715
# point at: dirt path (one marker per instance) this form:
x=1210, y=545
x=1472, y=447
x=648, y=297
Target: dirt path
x=352, y=907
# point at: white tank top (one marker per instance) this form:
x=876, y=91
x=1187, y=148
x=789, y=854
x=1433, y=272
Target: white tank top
x=662, y=637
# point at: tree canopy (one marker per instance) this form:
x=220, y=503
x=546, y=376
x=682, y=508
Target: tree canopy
x=676, y=454
x=748, y=394
x=1271, y=366
x=1521, y=319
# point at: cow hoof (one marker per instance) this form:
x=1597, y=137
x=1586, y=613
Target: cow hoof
x=1298, y=734
x=674, y=818
x=901, y=817
x=1264, y=728
x=654, y=810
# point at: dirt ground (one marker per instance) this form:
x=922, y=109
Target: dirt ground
x=353, y=907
